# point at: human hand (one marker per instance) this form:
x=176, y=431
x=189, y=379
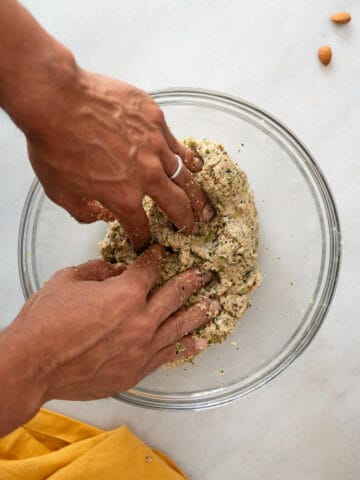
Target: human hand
x=96, y=330
x=106, y=144
x=93, y=140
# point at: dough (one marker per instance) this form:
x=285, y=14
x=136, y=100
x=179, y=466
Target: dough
x=227, y=245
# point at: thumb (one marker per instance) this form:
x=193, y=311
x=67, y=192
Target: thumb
x=83, y=210
x=89, y=211
x=97, y=270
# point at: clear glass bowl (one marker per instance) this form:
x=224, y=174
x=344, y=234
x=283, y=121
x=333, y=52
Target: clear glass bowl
x=299, y=252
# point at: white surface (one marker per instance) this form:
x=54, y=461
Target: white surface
x=306, y=423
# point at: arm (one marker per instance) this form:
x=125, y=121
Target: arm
x=33, y=67
x=93, y=141
x=94, y=330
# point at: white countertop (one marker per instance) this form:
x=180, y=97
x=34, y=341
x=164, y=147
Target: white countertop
x=306, y=423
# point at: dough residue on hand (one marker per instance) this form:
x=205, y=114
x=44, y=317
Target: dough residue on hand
x=226, y=246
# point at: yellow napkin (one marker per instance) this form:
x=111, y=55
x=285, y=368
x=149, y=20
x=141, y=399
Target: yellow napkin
x=52, y=446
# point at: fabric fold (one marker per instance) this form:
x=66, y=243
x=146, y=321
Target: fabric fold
x=53, y=446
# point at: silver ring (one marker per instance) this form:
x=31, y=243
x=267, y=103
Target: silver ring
x=178, y=169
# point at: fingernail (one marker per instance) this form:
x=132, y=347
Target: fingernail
x=200, y=343
x=159, y=249
x=198, y=163
x=196, y=229
x=207, y=212
x=215, y=306
x=121, y=267
x=206, y=277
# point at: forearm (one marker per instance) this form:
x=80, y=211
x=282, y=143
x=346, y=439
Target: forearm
x=33, y=65
x=21, y=385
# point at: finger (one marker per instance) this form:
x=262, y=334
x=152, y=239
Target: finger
x=175, y=292
x=190, y=158
x=170, y=198
x=185, y=321
x=83, y=210
x=89, y=211
x=98, y=270
x=145, y=270
x=134, y=221
x=199, y=202
x=185, y=347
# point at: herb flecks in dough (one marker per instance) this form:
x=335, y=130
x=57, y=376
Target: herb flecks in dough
x=226, y=246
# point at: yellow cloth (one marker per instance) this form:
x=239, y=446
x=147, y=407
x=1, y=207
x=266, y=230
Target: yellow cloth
x=52, y=446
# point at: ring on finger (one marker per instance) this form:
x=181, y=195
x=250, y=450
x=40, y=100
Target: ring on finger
x=179, y=168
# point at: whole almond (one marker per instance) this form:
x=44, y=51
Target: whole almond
x=341, y=17
x=324, y=54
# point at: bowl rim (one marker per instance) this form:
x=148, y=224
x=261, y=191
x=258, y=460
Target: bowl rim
x=177, y=401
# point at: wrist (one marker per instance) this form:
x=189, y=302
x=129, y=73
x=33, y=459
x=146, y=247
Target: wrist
x=22, y=386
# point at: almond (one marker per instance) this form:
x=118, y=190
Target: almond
x=341, y=17
x=324, y=54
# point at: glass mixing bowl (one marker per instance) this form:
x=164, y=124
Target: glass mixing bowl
x=299, y=252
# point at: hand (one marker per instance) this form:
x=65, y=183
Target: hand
x=97, y=331
x=107, y=144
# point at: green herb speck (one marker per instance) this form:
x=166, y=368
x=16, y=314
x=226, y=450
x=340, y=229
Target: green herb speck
x=179, y=348
x=210, y=237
